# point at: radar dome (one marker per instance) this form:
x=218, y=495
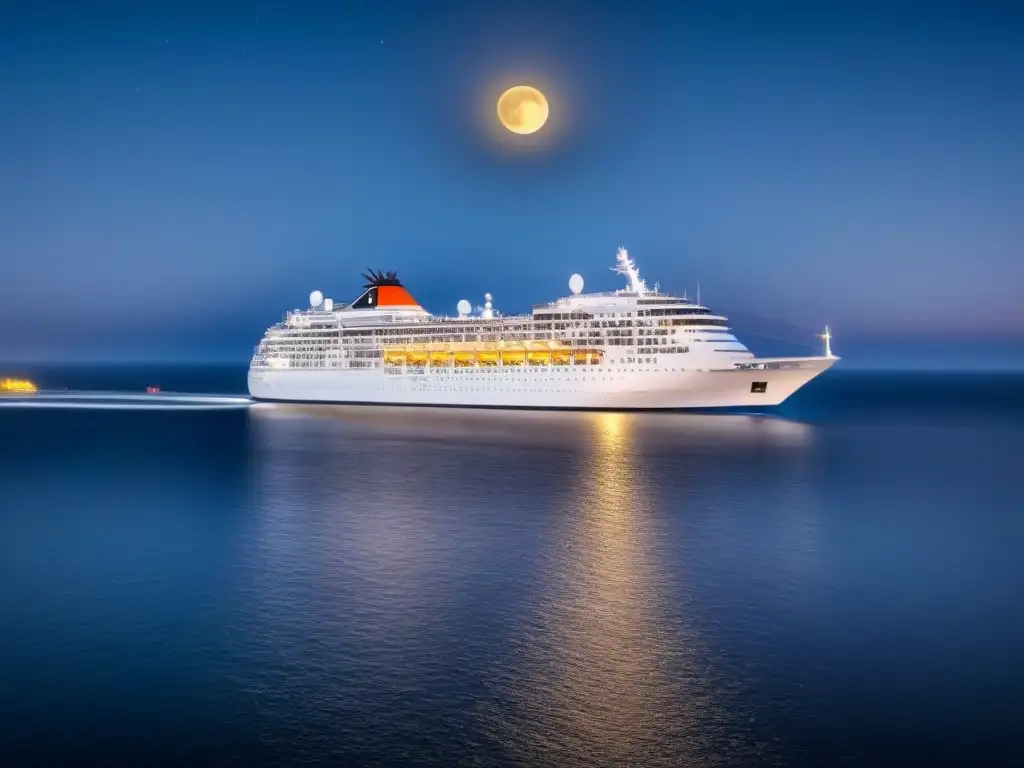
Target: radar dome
x=576, y=284
x=315, y=298
x=328, y=305
x=465, y=307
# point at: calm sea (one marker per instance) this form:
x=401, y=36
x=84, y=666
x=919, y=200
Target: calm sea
x=841, y=584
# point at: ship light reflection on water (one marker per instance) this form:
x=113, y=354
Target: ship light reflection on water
x=600, y=645
x=611, y=424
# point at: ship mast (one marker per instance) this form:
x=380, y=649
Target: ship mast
x=827, y=338
x=627, y=267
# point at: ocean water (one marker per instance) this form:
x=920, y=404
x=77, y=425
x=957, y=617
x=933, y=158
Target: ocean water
x=837, y=584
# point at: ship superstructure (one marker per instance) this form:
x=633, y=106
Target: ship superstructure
x=634, y=348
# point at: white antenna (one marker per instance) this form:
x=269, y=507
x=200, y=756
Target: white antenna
x=627, y=267
x=464, y=308
x=827, y=338
x=315, y=298
x=698, y=295
x=576, y=284
x=488, y=313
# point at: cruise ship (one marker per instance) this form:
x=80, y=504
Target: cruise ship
x=631, y=349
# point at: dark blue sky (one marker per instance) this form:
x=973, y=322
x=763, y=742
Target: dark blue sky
x=173, y=177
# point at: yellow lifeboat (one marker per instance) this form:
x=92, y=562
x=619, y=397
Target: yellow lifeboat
x=17, y=386
x=468, y=354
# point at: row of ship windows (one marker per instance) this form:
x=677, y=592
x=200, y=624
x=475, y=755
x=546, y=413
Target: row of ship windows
x=335, y=363
x=331, y=345
x=671, y=311
x=491, y=329
x=353, y=337
x=523, y=389
x=350, y=336
x=357, y=356
x=373, y=354
x=501, y=388
x=322, y=352
x=676, y=322
x=445, y=379
x=321, y=343
x=662, y=312
x=464, y=371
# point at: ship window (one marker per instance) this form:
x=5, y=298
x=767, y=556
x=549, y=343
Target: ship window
x=759, y=387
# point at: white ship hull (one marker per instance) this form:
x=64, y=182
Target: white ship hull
x=544, y=387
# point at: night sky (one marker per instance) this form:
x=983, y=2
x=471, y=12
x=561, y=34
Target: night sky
x=173, y=177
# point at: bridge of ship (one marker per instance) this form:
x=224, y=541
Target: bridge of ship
x=468, y=354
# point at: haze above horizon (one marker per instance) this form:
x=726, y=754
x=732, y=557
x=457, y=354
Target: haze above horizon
x=178, y=177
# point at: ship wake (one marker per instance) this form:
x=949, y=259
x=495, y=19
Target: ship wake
x=126, y=401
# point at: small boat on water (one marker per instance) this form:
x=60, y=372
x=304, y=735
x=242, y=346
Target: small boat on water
x=17, y=387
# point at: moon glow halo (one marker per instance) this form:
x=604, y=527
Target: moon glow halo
x=523, y=109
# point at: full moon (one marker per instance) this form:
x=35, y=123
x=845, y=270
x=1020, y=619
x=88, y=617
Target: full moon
x=523, y=109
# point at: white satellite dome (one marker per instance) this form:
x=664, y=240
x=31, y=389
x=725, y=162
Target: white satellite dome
x=576, y=284
x=464, y=307
x=315, y=299
x=328, y=305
